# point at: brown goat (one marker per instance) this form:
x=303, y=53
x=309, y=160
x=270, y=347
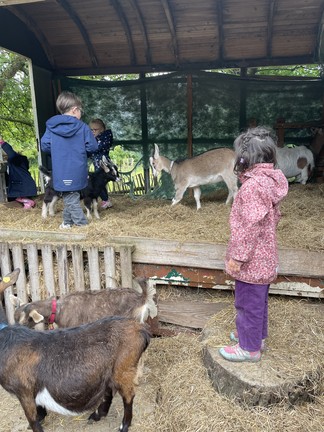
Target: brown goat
x=72, y=370
x=82, y=307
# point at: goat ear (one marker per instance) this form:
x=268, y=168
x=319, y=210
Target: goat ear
x=37, y=317
x=156, y=151
x=9, y=279
x=16, y=301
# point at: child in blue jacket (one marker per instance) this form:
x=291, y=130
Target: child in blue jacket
x=68, y=140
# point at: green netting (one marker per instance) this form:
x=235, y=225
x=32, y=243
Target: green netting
x=155, y=110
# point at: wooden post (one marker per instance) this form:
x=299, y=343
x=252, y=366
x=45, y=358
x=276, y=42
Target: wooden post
x=189, y=115
x=280, y=129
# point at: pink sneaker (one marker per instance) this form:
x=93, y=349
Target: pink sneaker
x=237, y=354
x=106, y=204
x=234, y=337
x=28, y=203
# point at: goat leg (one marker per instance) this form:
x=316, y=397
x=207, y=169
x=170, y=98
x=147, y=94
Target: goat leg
x=128, y=415
x=103, y=408
x=32, y=413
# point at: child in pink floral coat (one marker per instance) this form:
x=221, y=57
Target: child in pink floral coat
x=252, y=256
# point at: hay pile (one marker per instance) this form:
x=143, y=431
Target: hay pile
x=186, y=400
x=301, y=226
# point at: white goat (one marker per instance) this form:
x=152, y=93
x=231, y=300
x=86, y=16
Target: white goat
x=296, y=162
x=210, y=167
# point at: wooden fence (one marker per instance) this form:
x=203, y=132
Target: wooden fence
x=56, y=269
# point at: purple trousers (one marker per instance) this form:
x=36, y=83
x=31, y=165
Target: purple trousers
x=251, y=304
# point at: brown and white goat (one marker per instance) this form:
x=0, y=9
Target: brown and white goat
x=72, y=370
x=296, y=162
x=211, y=167
x=82, y=307
x=97, y=181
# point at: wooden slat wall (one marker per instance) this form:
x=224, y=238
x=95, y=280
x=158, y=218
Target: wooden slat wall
x=48, y=270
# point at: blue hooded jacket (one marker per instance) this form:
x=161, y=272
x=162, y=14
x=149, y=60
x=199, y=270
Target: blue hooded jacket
x=68, y=140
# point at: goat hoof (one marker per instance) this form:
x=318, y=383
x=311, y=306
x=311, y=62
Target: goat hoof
x=94, y=417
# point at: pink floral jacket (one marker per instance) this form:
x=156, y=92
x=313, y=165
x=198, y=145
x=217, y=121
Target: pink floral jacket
x=253, y=220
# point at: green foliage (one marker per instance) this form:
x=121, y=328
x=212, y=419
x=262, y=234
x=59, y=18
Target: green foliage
x=16, y=114
x=124, y=159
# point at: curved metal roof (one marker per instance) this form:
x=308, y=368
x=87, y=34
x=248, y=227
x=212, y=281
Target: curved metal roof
x=80, y=37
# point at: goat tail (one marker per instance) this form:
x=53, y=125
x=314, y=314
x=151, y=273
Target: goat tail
x=148, y=306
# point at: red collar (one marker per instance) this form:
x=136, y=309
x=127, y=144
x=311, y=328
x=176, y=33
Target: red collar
x=51, y=320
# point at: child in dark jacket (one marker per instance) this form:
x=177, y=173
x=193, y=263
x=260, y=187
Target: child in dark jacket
x=252, y=256
x=68, y=140
x=104, y=138
x=21, y=186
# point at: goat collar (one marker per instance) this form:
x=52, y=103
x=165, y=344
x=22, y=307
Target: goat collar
x=3, y=325
x=171, y=165
x=51, y=319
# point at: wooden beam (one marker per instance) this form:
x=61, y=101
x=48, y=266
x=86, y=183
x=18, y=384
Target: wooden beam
x=170, y=19
x=142, y=26
x=271, y=12
x=220, y=30
x=121, y=14
x=75, y=18
x=319, y=46
x=187, y=67
x=33, y=27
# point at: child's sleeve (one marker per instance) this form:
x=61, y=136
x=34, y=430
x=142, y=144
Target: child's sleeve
x=46, y=142
x=91, y=143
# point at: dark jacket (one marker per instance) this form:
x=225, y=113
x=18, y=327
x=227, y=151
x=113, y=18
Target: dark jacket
x=19, y=180
x=68, y=140
x=105, y=142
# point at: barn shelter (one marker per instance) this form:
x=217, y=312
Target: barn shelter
x=183, y=38
x=187, y=110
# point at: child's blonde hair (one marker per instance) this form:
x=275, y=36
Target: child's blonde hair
x=99, y=122
x=67, y=100
x=256, y=145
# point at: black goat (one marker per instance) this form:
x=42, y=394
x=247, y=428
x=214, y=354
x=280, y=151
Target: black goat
x=96, y=182
x=72, y=370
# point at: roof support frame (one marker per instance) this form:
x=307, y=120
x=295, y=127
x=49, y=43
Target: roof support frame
x=141, y=22
x=75, y=18
x=121, y=14
x=33, y=27
x=171, y=23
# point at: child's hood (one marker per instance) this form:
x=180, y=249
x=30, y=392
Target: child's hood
x=64, y=125
x=273, y=180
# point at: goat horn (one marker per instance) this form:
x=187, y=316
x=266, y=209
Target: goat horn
x=9, y=279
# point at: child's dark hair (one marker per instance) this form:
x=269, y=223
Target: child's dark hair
x=256, y=145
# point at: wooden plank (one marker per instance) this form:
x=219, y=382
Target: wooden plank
x=188, y=313
x=94, y=271
x=110, y=267
x=5, y=264
x=47, y=256
x=63, y=269
x=33, y=267
x=126, y=266
x=19, y=262
x=292, y=262
x=78, y=271
x=40, y=235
